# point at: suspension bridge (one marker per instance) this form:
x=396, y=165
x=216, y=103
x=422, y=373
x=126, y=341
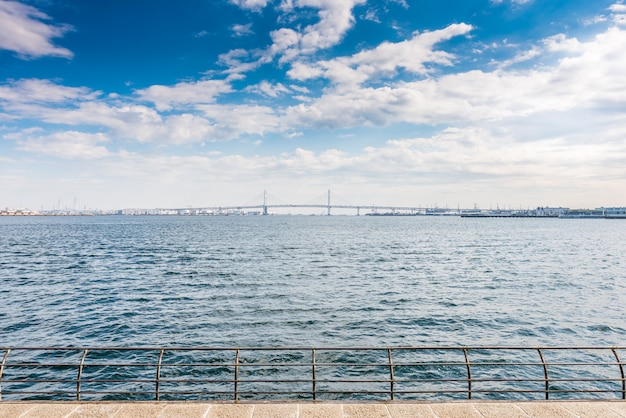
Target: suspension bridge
x=266, y=208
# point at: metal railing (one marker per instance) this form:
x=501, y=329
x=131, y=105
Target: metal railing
x=400, y=373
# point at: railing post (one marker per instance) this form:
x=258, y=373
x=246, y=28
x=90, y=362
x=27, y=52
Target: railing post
x=4, y=361
x=619, y=363
x=314, y=374
x=392, y=381
x=237, y=375
x=469, y=374
x=80, y=374
x=158, y=375
x=545, y=373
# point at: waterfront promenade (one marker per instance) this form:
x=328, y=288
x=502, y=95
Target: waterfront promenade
x=486, y=409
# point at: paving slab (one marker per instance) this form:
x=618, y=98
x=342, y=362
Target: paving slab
x=13, y=410
x=365, y=411
x=410, y=411
x=455, y=410
x=488, y=409
x=141, y=410
x=275, y=411
x=230, y=411
x=545, y=410
x=50, y=410
x=619, y=407
x=96, y=410
x=185, y=410
x=592, y=409
x=320, y=411
x=498, y=410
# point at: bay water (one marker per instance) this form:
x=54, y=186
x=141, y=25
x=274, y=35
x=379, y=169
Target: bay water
x=333, y=281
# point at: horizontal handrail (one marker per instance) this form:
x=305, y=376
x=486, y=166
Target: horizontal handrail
x=314, y=373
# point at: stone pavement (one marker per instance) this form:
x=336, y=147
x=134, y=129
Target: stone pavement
x=486, y=409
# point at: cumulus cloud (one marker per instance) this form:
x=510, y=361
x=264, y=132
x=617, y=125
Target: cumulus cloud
x=521, y=57
x=232, y=121
x=618, y=8
x=594, y=20
x=184, y=129
x=470, y=157
x=590, y=78
x=184, y=93
x=560, y=42
x=23, y=29
x=67, y=144
x=242, y=30
x=256, y=5
x=135, y=122
x=618, y=13
x=384, y=60
x=268, y=89
x=241, y=61
x=335, y=19
x=42, y=91
x=515, y=2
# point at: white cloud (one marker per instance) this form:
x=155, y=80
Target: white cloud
x=619, y=19
x=43, y=91
x=468, y=158
x=517, y=2
x=268, y=89
x=127, y=121
x=300, y=89
x=335, y=19
x=241, y=61
x=67, y=144
x=561, y=42
x=22, y=30
x=232, y=121
x=521, y=57
x=594, y=20
x=242, y=30
x=304, y=71
x=471, y=164
x=384, y=60
x=184, y=93
x=185, y=128
x=618, y=13
x=255, y=5
x=591, y=78
x=136, y=123
x=371, y=15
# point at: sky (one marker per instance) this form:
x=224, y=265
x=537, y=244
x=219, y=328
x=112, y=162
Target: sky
x=432, y=103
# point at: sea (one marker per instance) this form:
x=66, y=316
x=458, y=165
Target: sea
x=311, y=281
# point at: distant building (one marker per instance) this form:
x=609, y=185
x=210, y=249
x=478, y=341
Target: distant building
x=550, y=212
x=613, y=212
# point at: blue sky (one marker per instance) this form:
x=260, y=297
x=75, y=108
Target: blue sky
x=118, y=104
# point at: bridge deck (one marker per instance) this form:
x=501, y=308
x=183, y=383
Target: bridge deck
x=606, y=409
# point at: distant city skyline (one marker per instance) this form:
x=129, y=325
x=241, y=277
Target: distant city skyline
x=322, y=205
x=160, y=104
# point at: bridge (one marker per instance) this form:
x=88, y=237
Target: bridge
x=265, y=208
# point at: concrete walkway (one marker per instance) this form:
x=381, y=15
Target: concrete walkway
x=595, y=409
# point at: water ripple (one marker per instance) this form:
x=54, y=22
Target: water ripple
x=312, y=281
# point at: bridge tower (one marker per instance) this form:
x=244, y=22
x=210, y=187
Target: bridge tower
x=328, y=202
x=264, y=202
